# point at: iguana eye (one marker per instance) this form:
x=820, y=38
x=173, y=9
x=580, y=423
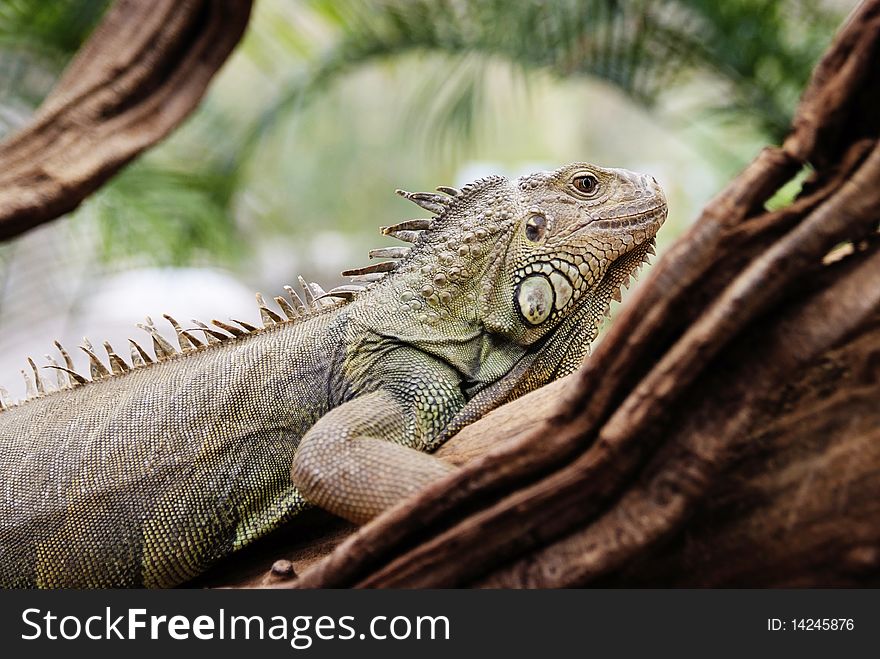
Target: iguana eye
x=536, y=227
x=585, y=184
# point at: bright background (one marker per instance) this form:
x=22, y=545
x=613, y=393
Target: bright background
x=289, y=165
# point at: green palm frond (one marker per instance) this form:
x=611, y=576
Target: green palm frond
x=156, y=214
x=37, y=39
x=760, y=51
x=175, y=204
x=52, y=30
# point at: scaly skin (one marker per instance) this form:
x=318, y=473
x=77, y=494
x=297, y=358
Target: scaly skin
x=149, y=476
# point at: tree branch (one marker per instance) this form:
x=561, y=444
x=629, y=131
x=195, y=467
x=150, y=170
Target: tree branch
x=140, y=74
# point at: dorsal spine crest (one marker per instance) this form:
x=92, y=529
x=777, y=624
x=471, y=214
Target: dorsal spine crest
x=294, y=308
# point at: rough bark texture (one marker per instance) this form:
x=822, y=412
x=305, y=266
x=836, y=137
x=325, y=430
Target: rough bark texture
x=140, y=74
x=726, y=431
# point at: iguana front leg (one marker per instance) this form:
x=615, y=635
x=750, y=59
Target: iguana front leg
x=366, y=455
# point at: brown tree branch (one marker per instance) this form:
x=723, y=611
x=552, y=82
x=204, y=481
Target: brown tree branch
x=141, y=73
x=695, y=451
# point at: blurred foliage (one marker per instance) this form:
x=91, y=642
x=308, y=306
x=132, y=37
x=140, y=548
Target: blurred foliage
x=36, y=41
x=175, y=204
x=240, y=162
x=177, y=215
x=51, y=30
x=762, y=52
x=169, y=210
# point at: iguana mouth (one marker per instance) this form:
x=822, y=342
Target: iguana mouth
x=635, y=220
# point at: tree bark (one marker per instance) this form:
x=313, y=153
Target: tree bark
x=140, y=74
x=726, y=431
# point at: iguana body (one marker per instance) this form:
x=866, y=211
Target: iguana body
x=151, y=474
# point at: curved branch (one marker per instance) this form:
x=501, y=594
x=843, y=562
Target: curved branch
x=141, y=73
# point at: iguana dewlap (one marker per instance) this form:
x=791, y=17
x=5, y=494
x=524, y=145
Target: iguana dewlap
x=151, y=469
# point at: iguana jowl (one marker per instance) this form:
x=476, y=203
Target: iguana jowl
x=150, y=472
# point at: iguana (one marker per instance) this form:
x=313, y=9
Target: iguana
x=146, y=473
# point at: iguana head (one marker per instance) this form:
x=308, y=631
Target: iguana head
x=568, y=229
x=520, y=256
x=500, y=265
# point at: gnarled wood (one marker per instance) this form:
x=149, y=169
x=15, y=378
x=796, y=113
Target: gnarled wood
x=140, y=74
